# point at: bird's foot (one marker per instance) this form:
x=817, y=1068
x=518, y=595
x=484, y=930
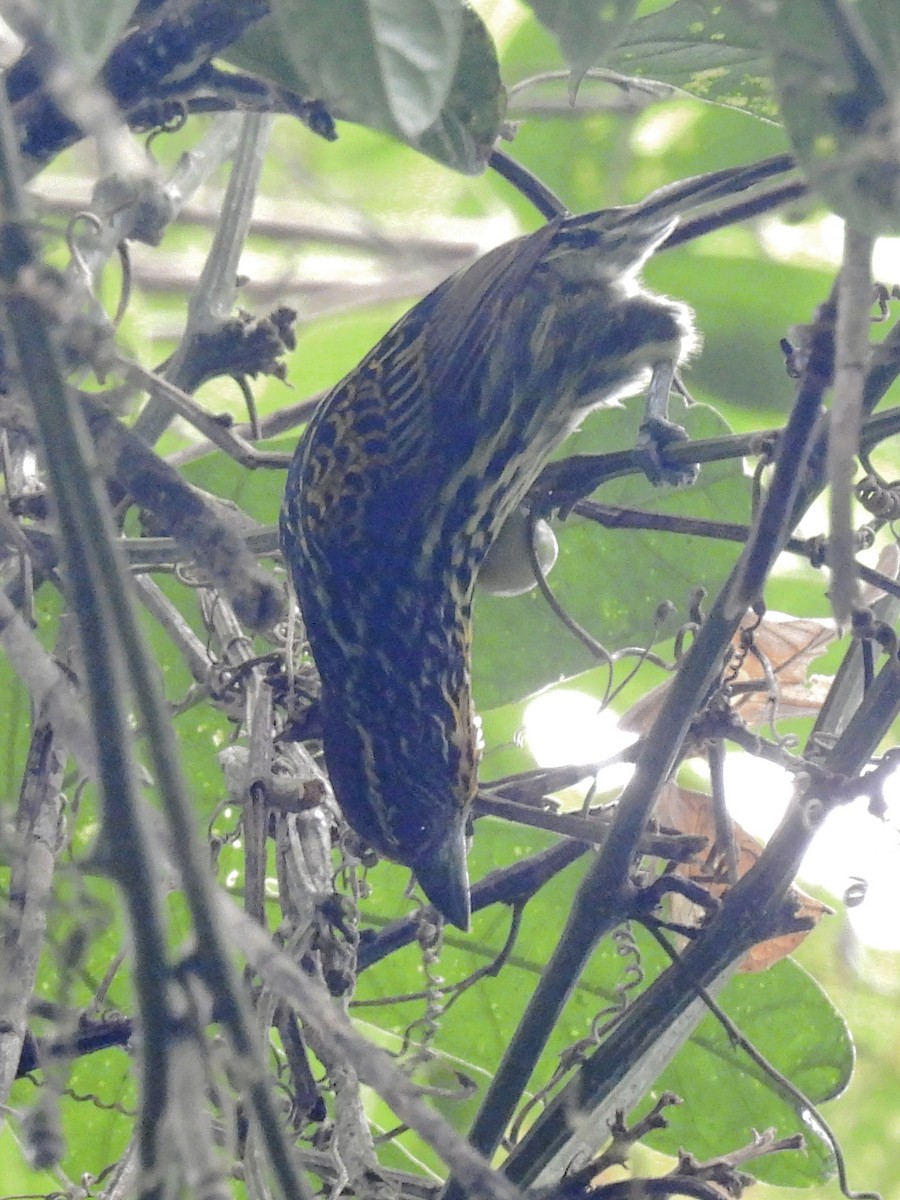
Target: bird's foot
x=657, y=435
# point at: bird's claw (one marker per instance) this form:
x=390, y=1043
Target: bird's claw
x=657, y=434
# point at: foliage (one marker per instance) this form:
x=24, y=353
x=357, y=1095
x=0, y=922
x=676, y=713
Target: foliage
x=167, y=823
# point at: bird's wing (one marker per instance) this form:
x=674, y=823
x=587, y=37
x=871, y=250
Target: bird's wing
x=468, y=323
x=410, y=409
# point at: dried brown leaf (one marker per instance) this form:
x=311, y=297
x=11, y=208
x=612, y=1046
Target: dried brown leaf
x=692, y=812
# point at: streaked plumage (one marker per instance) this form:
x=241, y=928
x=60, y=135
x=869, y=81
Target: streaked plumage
x=408, y=471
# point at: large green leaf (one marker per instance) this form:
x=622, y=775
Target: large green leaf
x=464, y=132
x=703, y=47
x=475, y=1031
x=741, y=366
x=782, y=1011
x=611, y=582
x=425, y=72
x=700, y=46
x=587, y=30
x=390, y=61
x=791, y=1021
x=835, y=68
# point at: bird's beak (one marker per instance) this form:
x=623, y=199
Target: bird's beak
x=445, y=880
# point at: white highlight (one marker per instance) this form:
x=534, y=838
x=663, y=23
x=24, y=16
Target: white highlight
x=565, y=726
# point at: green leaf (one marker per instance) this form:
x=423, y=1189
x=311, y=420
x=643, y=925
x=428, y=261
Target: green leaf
x=425, y=72
x=704, y=48
x=475, y=1031
x=783, y=1011
x=611, y=582
x=87, y=29
x=465, y=131
x=835, y=67
x=389, y=61
x=587, y=30
x=741, y=364
x=791, y=1021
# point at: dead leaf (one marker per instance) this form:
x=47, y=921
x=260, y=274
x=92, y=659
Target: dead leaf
x=785, y=646
x=692, y=812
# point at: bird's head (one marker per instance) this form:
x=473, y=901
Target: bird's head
x=408, y=795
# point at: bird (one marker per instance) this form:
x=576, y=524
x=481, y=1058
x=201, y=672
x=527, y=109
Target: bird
x=408, y=471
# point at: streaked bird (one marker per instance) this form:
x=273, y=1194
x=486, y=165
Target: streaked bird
x=407, y=473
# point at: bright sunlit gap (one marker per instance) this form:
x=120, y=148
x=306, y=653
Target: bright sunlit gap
x=564, y=726
x=819, y=242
